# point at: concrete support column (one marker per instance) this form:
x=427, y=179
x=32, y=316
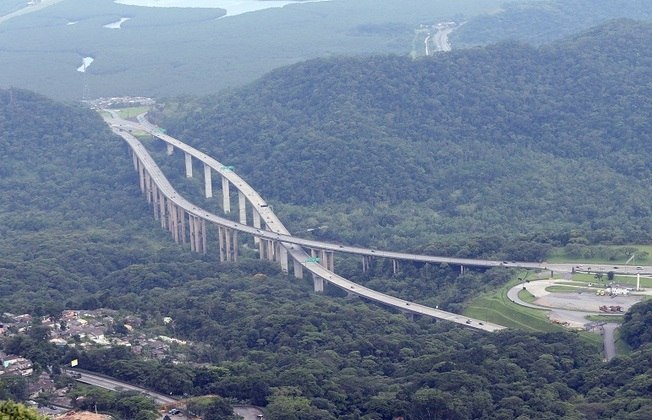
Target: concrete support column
x=199, y=235
x=168, y=216
x=366, y=263
x=170, y=149
x=261, y=249
x=174, y=219
x=297, y=268
x=191, y=231
x=203, y=237
x=234, y=241
x=318, y=283
x=256, y=222
x=226, y=197
x=220, y=240
x=227, y=241
x=326, y=259
x=141, y=177
x=148, y=186
x=182, y=218
x=395, y=266
x=188, y=165
x=242, y=207
x=208, y=182
x=162, y=209
x=461, y=269
x=283, y=258
x=135, y=159
x=271, y=250
x=155, y=199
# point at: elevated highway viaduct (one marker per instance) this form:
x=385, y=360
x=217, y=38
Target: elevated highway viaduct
x=187, y=223
x=273, y=239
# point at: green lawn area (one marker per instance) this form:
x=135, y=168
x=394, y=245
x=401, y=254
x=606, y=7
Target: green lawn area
x=558, y=288
x=132, y=112
x=606, y=318
x=496, y=307
x=526, y=296
x=622, y=348
x=558, y=255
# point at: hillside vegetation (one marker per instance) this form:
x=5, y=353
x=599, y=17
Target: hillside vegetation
x=77, y=234
x=544, y=21
x=547, y=144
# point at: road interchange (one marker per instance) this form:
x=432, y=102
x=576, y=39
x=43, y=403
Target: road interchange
x=294, y=245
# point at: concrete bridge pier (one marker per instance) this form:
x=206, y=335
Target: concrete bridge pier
x=197, y=234
x=182, y=220
x=135, y=159
x=234, y=242
x=242, y=207
x=226, y=198
x=221, y=240
x=327, y=259
x=162, y=209
x=283, y=258
x=318, y=283
x=297, y=268
x=227, y=241
x=204, y=237
x=141, y=176
x=154, y=199
x=192, y=233
x=173, y=223
x=170, y=149
x=148, y=186
x=188, y=165
x=208, y=183
x=271, y=250
x=366, y=263
x=256, y=222
x=395, y=267
x=261, y=248
x=266, y=249
x=461, y=269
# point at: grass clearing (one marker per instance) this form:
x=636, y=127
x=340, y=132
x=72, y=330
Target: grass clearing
x=606, y=318
x=602, y=254
x=496, y=307
x=559, y=288
x=132, y=112
x=622, y=348
x=526, y=296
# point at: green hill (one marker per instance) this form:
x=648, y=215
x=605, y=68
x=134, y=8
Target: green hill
x=75, y=233
x=507, y=140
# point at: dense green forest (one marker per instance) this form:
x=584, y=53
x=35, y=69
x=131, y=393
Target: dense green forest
x=75, y=233
x=544, y=21
x=547, y=145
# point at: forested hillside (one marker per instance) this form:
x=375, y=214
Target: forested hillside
x=76, y=234
x=547, y=144
x=544, y=21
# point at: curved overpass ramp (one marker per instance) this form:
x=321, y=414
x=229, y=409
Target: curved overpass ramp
x=278, y=232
